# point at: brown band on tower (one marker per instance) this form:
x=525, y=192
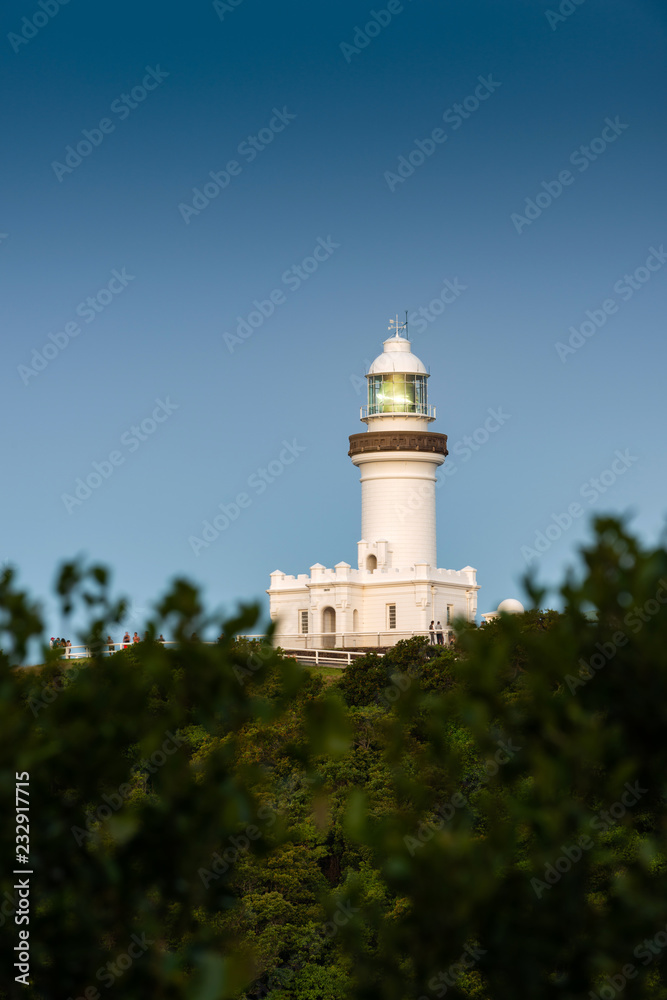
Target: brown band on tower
x=398, y=441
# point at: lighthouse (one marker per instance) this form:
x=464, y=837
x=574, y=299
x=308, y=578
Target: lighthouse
x=396, y=590
x=398, y=458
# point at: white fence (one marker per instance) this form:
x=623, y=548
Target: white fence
x=353, y=640
x=84, y=652
x=325, y=657
x=326, y=648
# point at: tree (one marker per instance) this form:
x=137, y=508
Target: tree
x=548, y=878
x=133, y=830
x=215, y=822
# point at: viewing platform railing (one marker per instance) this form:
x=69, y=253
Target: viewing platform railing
x=353, y=640
x=321, y=644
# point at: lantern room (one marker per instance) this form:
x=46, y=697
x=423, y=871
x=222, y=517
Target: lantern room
x=397, y=383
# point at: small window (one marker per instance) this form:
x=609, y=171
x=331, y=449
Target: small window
x=450, y=612
x=391, y=616
x=303, y=622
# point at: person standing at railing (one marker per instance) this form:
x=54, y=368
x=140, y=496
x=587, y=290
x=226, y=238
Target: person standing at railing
x=440, y=634
x=135, y=637
x=431, y=633
x=110, y=644
x=126, y=640
x=160, y=638
x=68, y=648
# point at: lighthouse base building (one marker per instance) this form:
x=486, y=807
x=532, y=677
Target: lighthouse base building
x=396, y=589
x=346, y=608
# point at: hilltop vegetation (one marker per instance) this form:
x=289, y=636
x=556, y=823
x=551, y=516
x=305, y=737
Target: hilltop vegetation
x=217, y=822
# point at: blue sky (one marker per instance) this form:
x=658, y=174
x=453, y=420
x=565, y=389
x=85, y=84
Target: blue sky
x=567, y=127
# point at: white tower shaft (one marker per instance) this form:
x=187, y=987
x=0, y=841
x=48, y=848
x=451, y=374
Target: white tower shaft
x=398, y=506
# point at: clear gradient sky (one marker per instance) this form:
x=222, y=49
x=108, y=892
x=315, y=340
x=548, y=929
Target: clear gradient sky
x=304, y=116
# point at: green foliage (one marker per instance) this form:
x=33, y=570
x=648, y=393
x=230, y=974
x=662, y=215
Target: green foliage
x=364, y=680
x=486, y=822
x=125, y=810
x=375, y=680
x=582, y=721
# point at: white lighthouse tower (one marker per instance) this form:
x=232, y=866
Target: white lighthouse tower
x=398, y=458
x=397, y=589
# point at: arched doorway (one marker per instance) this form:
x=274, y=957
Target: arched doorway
x=329, y=628
x=371, y=563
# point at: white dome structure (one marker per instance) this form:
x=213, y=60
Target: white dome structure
x=397, y=357
x=511, y=607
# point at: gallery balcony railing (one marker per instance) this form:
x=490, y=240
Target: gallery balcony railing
x=403, y=409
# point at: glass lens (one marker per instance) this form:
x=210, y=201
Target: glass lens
x=397, y=392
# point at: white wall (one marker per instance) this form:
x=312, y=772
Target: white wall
x=398, y=504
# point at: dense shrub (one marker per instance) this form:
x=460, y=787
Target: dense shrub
x=485, y=823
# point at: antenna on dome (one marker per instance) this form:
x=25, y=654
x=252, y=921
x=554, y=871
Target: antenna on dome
x=397, y=327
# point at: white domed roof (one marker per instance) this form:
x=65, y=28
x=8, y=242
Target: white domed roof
x=511, y=607
x=397, y=357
